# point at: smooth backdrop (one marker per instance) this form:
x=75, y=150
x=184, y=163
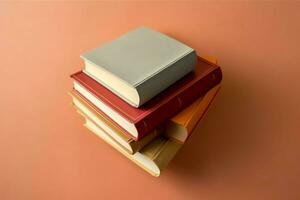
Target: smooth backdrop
x=246, y=147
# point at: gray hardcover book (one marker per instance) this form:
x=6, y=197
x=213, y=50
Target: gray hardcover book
x=140, y=64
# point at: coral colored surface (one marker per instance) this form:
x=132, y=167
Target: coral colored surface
x=246, y=147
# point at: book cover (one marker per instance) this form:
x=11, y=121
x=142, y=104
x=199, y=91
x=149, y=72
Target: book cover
x=140, y=64
x=160, y=108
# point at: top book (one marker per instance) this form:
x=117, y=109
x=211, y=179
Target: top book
x=140, y=64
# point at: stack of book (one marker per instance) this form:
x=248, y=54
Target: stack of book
x=144, y=93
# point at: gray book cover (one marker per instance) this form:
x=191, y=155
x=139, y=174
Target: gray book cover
x=143, y=59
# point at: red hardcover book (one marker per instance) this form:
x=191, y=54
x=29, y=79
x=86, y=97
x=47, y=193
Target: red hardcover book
x=157, y=110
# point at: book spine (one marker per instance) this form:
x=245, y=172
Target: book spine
x=179, y=102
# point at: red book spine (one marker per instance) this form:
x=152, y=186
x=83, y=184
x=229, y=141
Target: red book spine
x=174, y=105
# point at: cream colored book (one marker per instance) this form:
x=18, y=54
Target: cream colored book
x=153, y=158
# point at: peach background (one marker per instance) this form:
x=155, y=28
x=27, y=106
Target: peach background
x=247, y=146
